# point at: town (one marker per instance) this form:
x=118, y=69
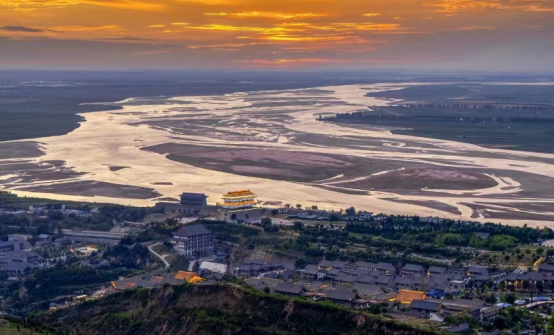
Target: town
x=432, y=273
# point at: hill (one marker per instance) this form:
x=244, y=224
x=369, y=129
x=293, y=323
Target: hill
x=212, y=309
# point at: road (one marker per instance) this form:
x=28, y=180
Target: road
x=167, y=265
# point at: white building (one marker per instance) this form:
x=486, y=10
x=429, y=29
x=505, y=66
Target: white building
x=19, y=237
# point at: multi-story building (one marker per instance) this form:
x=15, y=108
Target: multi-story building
x=12, y=246
x=193, y=241
x=239, y=206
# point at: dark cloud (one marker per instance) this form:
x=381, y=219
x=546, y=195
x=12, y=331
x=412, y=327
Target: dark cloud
x=22, y=29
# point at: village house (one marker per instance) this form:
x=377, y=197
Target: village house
x=408, y=296
x=342, y=297
x=290, y=290
x=211, y=269
x=490, y=313
x=426, y=307
x=412, y=270
x=436, y=271
x=385, y=268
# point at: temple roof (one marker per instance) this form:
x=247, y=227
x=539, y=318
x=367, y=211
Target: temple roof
x=240, y=194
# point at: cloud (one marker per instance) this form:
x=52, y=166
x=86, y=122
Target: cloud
x=127, y=38
x=367, y=26
x=261, y=30
x=153, y=52
x=21, y=29
x=372, y=14
x=267, y=15
x=78, y=29
x=33, y=5
x=477, y=28
x=452, y=6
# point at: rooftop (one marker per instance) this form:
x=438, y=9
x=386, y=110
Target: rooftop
x=289, y=288
x=407, y=296
x=189, y=277
x=242, y=193
x=344, y=295
x=427, y=305
x=192, y=230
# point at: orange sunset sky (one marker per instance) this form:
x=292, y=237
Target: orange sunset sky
x=495, y=35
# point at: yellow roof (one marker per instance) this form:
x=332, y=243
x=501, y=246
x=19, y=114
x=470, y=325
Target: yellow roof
x=239, y=193
x=407, y=296
x=189, y=277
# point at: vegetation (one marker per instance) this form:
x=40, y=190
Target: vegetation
x=214, y=309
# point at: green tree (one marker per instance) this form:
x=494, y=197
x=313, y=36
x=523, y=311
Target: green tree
x=550, y=327
x=351, y=211
x=266, y=222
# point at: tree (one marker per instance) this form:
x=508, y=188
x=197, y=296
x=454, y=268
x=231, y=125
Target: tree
x=299, y=206
x=266, y=222
x=510, y=298
x=234, y=217
x=351, y=211
x=540, y=251
x=550, y=327
x=334, y=217
x=314, y=207
x=274, y=212
x=500, y=322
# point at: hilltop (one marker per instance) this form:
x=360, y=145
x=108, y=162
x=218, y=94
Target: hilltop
x=212, y=309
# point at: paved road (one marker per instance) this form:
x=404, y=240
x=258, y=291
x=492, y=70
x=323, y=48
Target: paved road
x=158, y=255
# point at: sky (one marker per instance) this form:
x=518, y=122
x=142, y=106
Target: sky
x=445, y=35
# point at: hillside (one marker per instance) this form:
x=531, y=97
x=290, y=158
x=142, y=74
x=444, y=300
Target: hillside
x=212, y=309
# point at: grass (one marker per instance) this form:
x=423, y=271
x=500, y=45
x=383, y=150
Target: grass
x=12, y=330
x=527, y=260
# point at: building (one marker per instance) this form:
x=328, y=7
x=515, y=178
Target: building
x=436, y=271
x=342, y=297
x=194, y=199
x=290, y=290
x=96, y=237
x=193, y=241
x=239, y=206
x=211, y=269
x=19, y=237
x=12, y=246
x=17, y=262
x=490, y=313
x=189, y=277
x=407, y=296
x=471, y=307
x=385, y=268
x=412, y=270
x=546, y=268
x=426, y=307
x=239, y=200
